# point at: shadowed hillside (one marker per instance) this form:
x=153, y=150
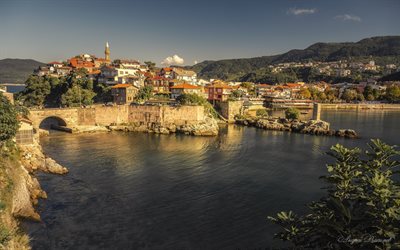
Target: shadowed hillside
x=17, y=70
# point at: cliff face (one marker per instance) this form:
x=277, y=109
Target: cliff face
x=11, y=184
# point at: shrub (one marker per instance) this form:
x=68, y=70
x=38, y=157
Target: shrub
x=261, y=112
x=8, y=119
x=292, y=113
x=193, y=99
x=4, y=235
x=361, y=209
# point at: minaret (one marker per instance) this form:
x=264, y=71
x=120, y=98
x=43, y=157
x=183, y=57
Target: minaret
x=107, y=52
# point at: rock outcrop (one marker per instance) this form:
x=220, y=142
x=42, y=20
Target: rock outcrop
x=313, y=127
x=26, y=193
x=33, y=159
x=27, y=189
x=208, y=127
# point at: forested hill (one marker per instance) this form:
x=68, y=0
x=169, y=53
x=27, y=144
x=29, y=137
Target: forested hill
x=17, y=70
x=382, y=49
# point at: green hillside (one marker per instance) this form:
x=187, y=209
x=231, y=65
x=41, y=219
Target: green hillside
x=17, y=70
x=384, y=49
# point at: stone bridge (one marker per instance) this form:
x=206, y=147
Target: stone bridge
x=120, y=114
x=43, y=118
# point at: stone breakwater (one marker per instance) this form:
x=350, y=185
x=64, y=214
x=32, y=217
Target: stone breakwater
x=312, y=127
x=208, y=127
x=27, y=188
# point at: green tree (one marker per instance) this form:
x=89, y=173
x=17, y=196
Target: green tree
x=360, y=97
x=361, y=209
x=314, y=93
x=349, y=95
x=261, y=112
x=392, y=93
x=322, y=96
x=144, y=93
x=292, y=113
x=249, y=86
x=368, y=93
x=8, y=119
x=331, y=94
x=305, y=93
x=77, y=96
x=236, y=94
x=103, y=93
x=36, y=90
x=194, y=99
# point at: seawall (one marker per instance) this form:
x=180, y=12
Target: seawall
x=146, y=118
x=361, y=106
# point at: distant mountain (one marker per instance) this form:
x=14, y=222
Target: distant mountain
x=17, y=70
x=385, y=49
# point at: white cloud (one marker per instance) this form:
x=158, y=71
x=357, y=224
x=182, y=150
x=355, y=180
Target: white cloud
x=173, y=60
x=195, y=62
x=347, y=17
x=296, y=11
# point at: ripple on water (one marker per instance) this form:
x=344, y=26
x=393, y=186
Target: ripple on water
x=146, y=191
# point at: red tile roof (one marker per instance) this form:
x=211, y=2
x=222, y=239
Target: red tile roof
x=293, y=85
x=185, y=86
x=158, y=78
x=121, y=86
x=79, y=63
x=55, y=62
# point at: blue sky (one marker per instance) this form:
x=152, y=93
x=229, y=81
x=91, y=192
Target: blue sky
x=200, y=30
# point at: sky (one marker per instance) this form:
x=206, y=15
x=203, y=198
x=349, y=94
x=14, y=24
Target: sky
x=186, y=31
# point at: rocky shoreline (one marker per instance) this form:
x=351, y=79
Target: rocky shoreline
x=311, y=127
x=27, y=190
x=209, y=127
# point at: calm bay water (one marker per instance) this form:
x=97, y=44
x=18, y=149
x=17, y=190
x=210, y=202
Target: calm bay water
x=144, y=191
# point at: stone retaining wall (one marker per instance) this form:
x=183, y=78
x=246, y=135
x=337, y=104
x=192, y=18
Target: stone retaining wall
x=360, y=106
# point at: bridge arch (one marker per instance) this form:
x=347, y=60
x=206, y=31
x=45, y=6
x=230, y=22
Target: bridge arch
x=49, y=121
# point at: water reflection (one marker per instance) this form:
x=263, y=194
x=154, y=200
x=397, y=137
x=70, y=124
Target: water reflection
x=145, y=191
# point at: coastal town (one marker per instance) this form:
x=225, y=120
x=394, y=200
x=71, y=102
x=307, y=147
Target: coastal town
x=125, y=78
x=199, y=124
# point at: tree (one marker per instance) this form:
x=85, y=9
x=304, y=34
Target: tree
x=36, y=90
x=236, y=94
x=151, y=65
x=331, y=94
x=103, y=93
x=144, y=93
x=77, y=96
x=361, y=209
x=349, y=95
x=292, y=113
x=261, y=112
x=368, y=93
x=194, y=99
x=248, y=85
x=8, y=119
x=393, y=93
x=322, y=96
x=314, y=93
x=305, y=93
